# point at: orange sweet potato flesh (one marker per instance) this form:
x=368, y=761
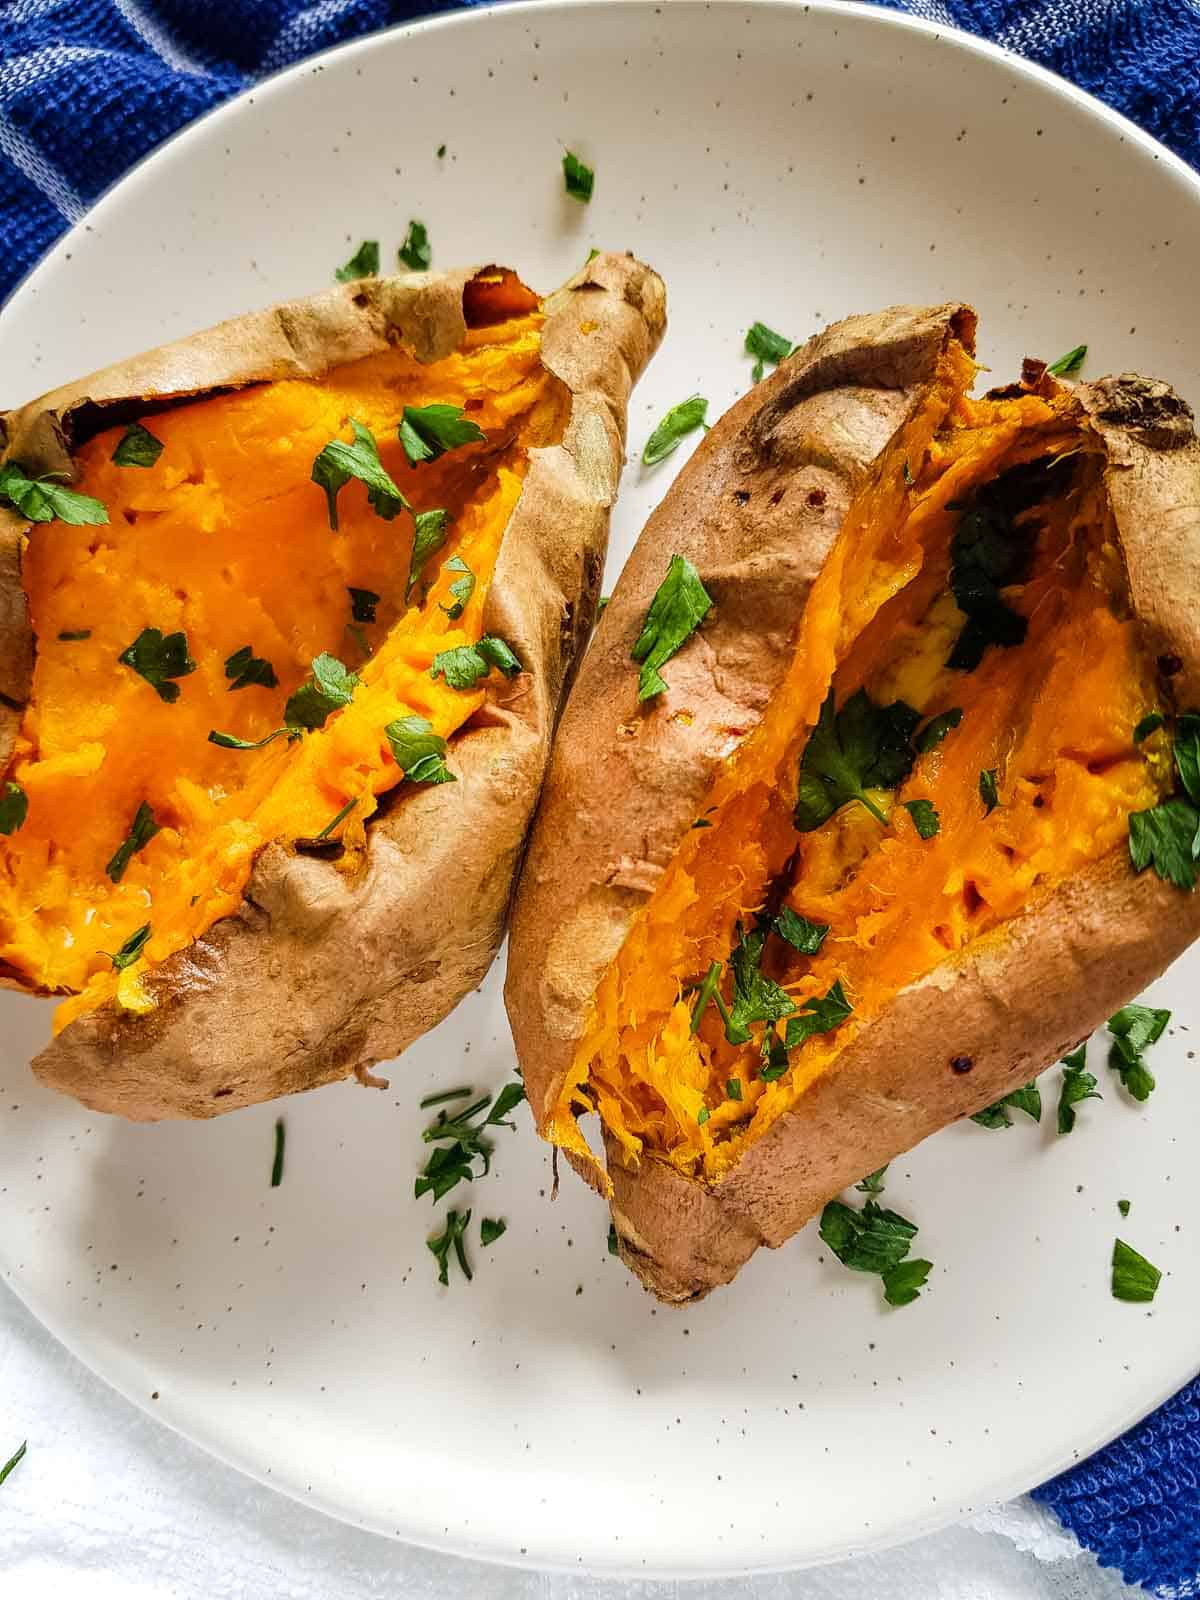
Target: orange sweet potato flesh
x=994, y=944
x=227, y=538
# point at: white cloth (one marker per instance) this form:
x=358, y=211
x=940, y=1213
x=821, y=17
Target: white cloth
x=110, y=1505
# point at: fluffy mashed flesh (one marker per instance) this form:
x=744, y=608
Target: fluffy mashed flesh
x=968, y=663
x=225, y=539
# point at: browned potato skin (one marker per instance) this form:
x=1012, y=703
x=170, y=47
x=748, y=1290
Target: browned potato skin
x=1020, y=998
x=320, y=975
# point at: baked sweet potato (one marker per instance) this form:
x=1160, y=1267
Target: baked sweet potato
x=899, y=821
x=287, y=610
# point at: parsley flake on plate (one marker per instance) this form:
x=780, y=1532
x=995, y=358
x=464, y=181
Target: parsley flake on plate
x=490, y=1229
x=1077, y=1085
x=277, y=1162
x=876, y=1240
x=765, y=346
x=579, y=180
x=1069, y=364
x=873, y=1182
x=416, y=252
x=679, y=421
x=364, y=263
x=462, y=1139
x=1133, y=1277
x=451, y=1236
x=1134, y=1029
x=13, y=1461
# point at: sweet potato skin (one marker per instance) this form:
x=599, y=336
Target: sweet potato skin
x=320, y=975
x=1020, y=997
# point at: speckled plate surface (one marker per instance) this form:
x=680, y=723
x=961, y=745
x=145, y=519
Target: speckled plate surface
x=781, y=162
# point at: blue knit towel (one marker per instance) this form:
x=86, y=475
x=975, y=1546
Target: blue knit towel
x=87, y=87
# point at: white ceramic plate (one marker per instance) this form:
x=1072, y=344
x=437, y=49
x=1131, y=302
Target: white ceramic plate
x=786, y=163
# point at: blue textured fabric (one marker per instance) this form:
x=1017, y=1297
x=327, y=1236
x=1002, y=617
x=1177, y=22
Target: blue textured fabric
x=87, y=87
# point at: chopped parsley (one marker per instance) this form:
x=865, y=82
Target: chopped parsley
x=14, y=806
x=1077, y=1085
x=936, y=729
x=462, y=588
x=925, y=817
x=821, y=1014
x=863, y=746
x=988, y=791
x=362, y=604
x=462, y=1139
x=244, y=669
x=141, y=832
x=733, y=1088
x=709, y=989
x=985, y=556
x=579, y=180
x=338, y=462
x=1187, y=753
x=416, y=252
x=137, y=447
x=1134, y=1029
x=277, y=1163
x=464, y=665
x=440, y=1245
x=756, y=998
x=44, y=499
x=765, y=345
x=364, y=263
x=1166, y=837
x=1133, y=1277
x=419, y=752
x=679, y=421
x=429, y=535
x=330, y=688
x=130, y=950
x=444, y=1096
x=1149, y=724
x=1123, y=1207
x=799, y=932
x=160, y=658
x=441, y=151
x=74, y=635
x=490, y=1229
x=338, y=816
x=427, y=432
x=1028, y=1098
x=13, y=1460
x=1066, y=365
x=876, y=1240
x=230, y=741
x=873, y=1182
x=680, y=605
x=702, y=1116
x=614, y=1248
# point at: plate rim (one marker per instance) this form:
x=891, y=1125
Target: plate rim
x=474, y=15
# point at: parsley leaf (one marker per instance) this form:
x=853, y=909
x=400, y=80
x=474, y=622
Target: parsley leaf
x=277, y=1163
x=1028, y=1098
x=419, y=752
x=800, y=933
x=338, y=462
x=13, y=1460
x=14, y=806
x=1134, y=1029
x=936, y=729
x=988, y=791
x=680, y=605
x=870, y=1240
x=1149, y=724
x=245, y=669
x=440, y=1244
x=137, y=447
x=490, y=1229
x=1123, y=1207
x=140, y=834
x=1077, y=1084
x=984, y=557
x=756, y=998
x=364, y=263
x=1070, y=363
x=130, y=950
x=462, y=1140
x=1133, y=1277
x=43, y=499
x=733, y=1088
x=578, y=179
x=330, y=688
x=614, y=1248
x=1168, y=835
x=679, y=421
x=925, y=817
x=903, y=1282
x=863, y=746
x=764, y=346
x=159, y=658
x=1187, y=753
x=427, y=432
x=362, y=604
x=819, y=1015
x=873, y=1182
x=429, y=535
x=462, y=588
x=416, y=252
x=464, y=665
